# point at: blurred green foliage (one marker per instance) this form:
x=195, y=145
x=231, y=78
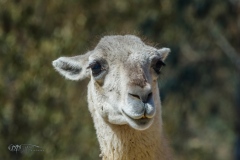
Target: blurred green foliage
x=198, y=86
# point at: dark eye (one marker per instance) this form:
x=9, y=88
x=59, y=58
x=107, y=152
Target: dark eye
x=157, y=67
x=96, y=68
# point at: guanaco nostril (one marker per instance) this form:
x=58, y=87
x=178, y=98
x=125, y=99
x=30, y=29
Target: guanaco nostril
x=134, y=95
x=146, y=99
x=149, y=96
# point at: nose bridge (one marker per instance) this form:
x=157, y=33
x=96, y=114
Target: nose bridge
x=137, y=76
x=139, y=86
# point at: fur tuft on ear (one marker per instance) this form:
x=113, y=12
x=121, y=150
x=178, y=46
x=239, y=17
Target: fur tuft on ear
x=73, y=68
x=164, y=53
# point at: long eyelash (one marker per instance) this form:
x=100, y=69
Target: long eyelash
x=162, y=63
x=91, y=64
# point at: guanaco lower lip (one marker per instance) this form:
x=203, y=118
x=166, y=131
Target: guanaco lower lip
x=143, y=116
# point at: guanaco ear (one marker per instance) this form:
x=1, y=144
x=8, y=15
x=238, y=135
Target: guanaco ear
x=164, y=53
x=73, y=68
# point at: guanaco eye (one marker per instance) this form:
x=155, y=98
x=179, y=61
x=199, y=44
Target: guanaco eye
x=157, y=67
x=96, y=68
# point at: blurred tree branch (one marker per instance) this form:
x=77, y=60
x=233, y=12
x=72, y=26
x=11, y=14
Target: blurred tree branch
x=225, y=46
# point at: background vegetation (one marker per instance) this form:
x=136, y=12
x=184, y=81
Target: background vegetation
x=200, y=86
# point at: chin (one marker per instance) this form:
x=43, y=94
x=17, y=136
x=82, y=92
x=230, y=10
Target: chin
x=140, y=124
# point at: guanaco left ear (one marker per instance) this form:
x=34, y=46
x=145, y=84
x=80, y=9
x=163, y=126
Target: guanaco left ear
x=73, y=68
x=164, y=53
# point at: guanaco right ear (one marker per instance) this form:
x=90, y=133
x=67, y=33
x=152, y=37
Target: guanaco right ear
x=73, y=68
x=164, y=53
